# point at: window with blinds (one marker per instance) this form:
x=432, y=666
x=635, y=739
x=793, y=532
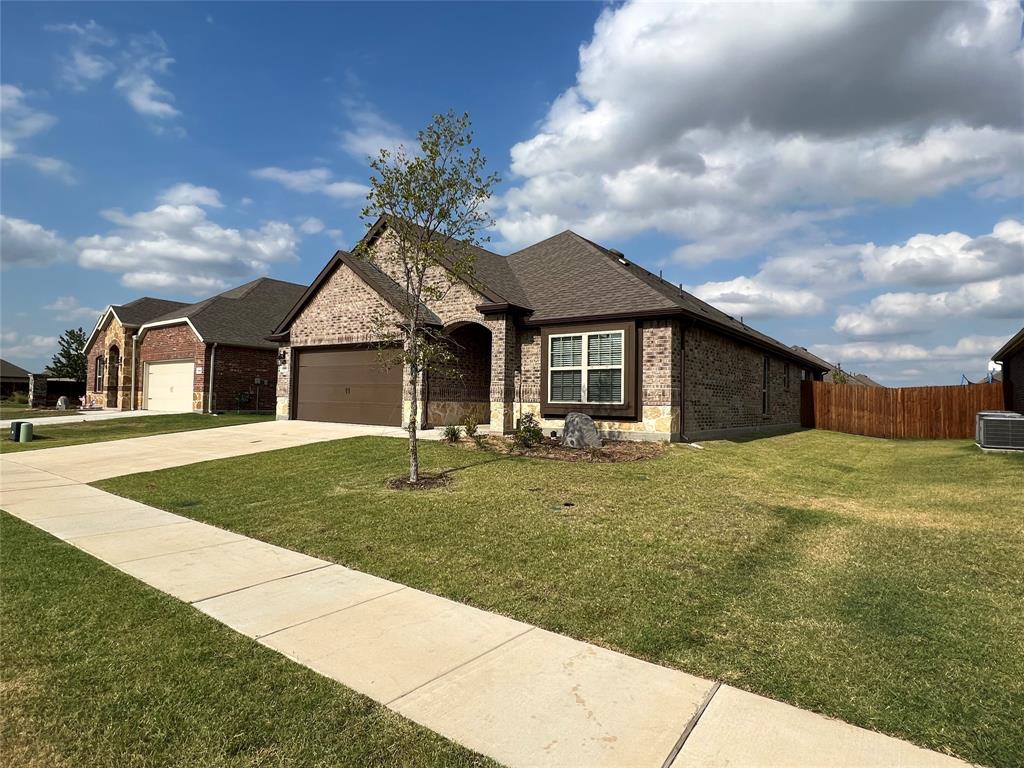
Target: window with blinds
x=586, y=367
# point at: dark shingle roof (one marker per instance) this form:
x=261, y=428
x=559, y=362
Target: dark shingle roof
x=243, y=316
x=12, y=371
x=145, y=309
x=568, y=276
x=866, y=380
x=1009, y=348
x=492, y=273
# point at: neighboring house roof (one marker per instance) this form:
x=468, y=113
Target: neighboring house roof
x=143, y=310
x=134, y=313
x=11, y=371
x=1014, y=345
x=866, y=380
x=240, y=317
x=569, y=278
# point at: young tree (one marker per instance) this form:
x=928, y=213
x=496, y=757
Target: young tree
x=839, y=376
x=433, y=201
x=69, y=362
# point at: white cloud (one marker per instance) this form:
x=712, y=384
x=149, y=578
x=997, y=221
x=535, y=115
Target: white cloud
x=70, y=308
x=83, y=64
x=335, y=234
x=874, y=352
x=33, y=348
x=748, y=298
x=892, y=314
x=18, y=121
x=690, y=120
x=949, y=258
x=311, y=226
x=177, y=247
x=370, y=131
x=191, y=194
x=25, y=244
x=313, y=180
x=146, y=58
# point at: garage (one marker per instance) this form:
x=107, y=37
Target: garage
x=347, y=385
x=168, y=385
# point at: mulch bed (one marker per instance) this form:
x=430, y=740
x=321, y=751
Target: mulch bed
x=425, y=483
x=550, y=448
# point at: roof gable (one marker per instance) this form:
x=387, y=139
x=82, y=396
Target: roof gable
x=243, y=316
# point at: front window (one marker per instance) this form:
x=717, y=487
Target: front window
x=764, y=385
x=586, y=367
x=98, y=382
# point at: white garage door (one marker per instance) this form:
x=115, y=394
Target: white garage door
x=169, y=385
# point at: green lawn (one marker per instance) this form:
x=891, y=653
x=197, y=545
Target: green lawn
x=54, y=435
x=12, y=410
x=99, y=670
x=876, y=581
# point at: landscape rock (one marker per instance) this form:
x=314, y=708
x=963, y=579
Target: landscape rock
x=579, y=431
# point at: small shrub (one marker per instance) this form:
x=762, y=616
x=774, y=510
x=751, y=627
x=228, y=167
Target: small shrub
x=471, y=425
x=528, y=433
x=21, y=398
x=452, y=433
x=478, y=441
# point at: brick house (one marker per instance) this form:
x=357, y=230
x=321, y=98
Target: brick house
x=1011, y=356
x=110, y=347
x=563, y=325
x=214, y=354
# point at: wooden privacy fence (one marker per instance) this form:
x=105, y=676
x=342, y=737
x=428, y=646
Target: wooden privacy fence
x=929, y=412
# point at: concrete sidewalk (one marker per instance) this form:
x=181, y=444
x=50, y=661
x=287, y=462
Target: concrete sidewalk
x=514, y=692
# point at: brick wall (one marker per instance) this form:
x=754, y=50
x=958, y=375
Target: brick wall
x=234, y=372
x=344, y=311
x=722, y=382
x=459, y=300
x=173, y=342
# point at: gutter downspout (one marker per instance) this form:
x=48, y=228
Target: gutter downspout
x=135, y=347
x=213, y=360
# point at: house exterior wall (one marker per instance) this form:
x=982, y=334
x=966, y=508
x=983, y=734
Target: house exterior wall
x=1013, y=381
x=722, y=382
x=173, y=342
x=113, y=334
x=235, y=370
x=659, y=358
x=347, y=311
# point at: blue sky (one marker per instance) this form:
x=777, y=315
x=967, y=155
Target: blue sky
x=777, y=164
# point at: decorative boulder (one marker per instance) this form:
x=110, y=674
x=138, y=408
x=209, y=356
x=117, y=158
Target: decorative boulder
x=579, y=432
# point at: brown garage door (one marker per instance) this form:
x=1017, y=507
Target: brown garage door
x=347, y=385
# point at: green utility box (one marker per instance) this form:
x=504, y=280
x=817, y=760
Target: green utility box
x=25, y=434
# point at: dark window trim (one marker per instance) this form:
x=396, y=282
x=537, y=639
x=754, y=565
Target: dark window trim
x=629, y=409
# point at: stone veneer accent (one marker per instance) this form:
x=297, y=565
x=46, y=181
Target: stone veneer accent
x=113, y=334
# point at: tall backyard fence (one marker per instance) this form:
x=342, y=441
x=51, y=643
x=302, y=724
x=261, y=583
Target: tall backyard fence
x=929, y=412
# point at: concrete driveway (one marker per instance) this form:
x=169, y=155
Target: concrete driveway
x=99, y=461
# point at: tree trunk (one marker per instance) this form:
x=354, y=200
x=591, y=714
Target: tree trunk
x=414, y=454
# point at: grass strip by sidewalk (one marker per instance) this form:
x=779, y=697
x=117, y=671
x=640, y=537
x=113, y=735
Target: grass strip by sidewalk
x=100, y=670
x=880, y=582
x=81, y=432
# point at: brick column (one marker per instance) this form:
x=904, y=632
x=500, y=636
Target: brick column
x=503, y=349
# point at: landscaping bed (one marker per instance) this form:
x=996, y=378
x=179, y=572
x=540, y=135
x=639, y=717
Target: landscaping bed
x=611, y=451
x=100, y=670
x=875, y=581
